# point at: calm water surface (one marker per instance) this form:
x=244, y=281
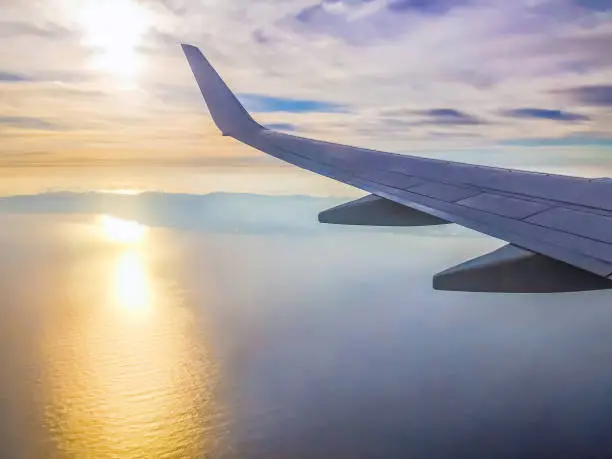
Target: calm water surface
x=206, y=330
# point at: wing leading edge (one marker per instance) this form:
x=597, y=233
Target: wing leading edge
x=542, y=214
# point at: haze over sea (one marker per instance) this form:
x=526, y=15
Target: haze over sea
x=233, y=325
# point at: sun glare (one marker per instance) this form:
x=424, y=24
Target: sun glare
x=124, y=231
x=131, y=283
x=122, y=191
x=114, y=28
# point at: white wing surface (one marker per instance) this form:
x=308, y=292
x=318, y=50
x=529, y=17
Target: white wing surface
x=565, y=219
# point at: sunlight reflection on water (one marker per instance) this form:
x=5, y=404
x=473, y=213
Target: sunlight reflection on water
x=119, y=384
x=131, y=282
x=120, y=230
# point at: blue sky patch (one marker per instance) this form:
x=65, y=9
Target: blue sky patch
x=265, y=104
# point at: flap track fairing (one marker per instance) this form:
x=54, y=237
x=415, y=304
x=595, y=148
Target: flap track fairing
x=512, y=269
x=373, y=210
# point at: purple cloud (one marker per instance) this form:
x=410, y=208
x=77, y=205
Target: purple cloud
x=424, y=6
x=8, y=77
x=450, y=117
x=544, y=114
x=597, y=5
x=597, y=95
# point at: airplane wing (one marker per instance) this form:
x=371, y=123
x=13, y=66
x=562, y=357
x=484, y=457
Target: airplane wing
x=559, y=228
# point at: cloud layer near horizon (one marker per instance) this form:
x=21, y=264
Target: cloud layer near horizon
x=431, y=75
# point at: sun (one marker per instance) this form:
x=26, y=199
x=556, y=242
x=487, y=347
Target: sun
x=114, y=29
x=119, y=230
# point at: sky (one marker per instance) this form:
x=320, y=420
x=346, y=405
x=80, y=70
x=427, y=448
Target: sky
x=524, y=83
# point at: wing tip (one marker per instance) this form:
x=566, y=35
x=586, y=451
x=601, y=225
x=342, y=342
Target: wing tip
x=226, y=110
x=191, y=50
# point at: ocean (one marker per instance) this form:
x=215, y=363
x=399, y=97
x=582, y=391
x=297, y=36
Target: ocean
x=195, y=323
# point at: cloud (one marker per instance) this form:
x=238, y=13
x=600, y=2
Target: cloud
x=597, y=5
x=432, y=116
x=545, y=114
x=263, y=104
x=567, y=141
x=177, y=7
x=453, y=135
x=282, y=127
x=598, y=95
x=8, y=77
x=48, y=31
x=450, y=117
x=364, y=22
x=333, y=68
x=424, y=6
x=26, y=122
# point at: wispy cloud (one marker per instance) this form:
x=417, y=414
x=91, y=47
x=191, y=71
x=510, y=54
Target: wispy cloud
x=48, y=31
x=596, y=95
x=544, y=114
x=8, y=77
x=450, y=116
x=391, y=74
x=597, y=5
x=433, y=116
x=426, y=6
x=288, y=127
x=567, y=141
x=27, y=122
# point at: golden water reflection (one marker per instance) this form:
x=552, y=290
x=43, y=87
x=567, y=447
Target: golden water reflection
x=131, y=283
x=124, y=385
x=120, y=230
